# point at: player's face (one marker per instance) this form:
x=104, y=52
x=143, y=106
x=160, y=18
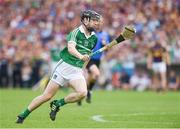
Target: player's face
x=100, y=24
x=95, y=24
x=92, y=24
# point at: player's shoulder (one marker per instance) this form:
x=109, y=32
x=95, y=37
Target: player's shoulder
x=73, y=33
x=75, y=30
x=104, y=33
x=95, y=36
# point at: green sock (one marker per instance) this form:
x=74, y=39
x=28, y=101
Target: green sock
x=61, y=102
x=25, y=113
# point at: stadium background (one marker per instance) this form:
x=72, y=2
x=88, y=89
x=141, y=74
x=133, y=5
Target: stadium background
x=32, y=32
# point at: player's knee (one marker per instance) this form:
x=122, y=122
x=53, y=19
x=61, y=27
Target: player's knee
x=95, y=71
x=82, y=94
x=97, y=74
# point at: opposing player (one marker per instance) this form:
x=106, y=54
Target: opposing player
x=158, y=59
x=69, y=69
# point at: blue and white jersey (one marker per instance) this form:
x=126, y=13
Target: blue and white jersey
x=102, y=37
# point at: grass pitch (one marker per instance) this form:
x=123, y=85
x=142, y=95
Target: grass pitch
x=109, y=109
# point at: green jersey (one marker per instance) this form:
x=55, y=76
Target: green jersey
x=84, y=45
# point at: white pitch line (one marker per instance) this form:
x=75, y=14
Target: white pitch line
x=99, y=118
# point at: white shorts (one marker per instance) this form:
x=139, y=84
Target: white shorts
x=159, y=67
x=63, y=73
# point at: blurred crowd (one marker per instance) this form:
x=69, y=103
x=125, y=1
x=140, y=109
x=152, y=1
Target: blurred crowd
x=31, y=29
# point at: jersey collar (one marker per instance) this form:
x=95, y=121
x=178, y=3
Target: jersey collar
x=83, y=31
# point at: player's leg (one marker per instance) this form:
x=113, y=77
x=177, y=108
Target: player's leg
x=49, y=92
x=94, y=73
x=163, y=70
x=154, y=81
x=163, y=80
x=156, y=73
x=85, y=74
x=80, y=91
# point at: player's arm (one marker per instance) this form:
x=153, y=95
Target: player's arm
x=72, y=50
x=167, y=58
x=105, y=40
x=149, y=60
x=71, y=46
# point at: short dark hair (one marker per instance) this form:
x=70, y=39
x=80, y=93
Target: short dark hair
x=90, y=14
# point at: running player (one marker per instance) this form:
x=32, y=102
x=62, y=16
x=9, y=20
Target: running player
x=69, y=69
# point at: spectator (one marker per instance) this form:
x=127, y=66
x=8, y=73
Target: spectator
x=140, y=81
x=4, y=62
x=173, y=81
x=125, y=81
x=17, y=69
x=177, y=52
x=26, y=74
